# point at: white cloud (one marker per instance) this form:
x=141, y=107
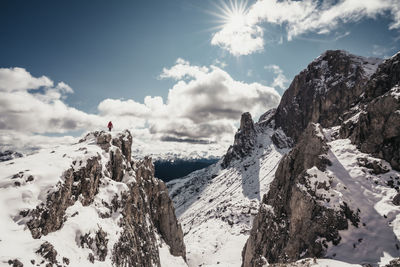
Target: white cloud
x=26, y=142
x=204, y=104
x=18, y=79
x=220, y=63
x=242, y=40
x=64, y=88
x=299, y=17
x=25, y=109
x=200, y=113
x=183, y=69
x=280, y=79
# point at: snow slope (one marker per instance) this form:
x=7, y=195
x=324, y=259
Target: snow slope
x=216, y=206
x=375, y=240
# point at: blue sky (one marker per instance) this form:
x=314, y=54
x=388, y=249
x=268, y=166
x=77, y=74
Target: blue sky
x=120, y=50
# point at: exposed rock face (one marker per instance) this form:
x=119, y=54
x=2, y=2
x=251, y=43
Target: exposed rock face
x=243, y=142
x=396, y=200
x=84, y=183
x=98, y=244
x=9, y=155
x=162, y=209
x=325, y=93
x=290, y=220
x=145, y=207
x=394, y=263
x=150, y=196
x=322, y=92
x=15, y=263
x=337, y=89
x=48, y=252
x=386, y=77
x=124, y=143
x=377, y=129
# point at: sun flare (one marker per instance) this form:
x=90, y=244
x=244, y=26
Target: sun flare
x=231, y=14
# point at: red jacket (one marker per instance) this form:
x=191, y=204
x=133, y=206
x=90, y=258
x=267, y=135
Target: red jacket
x=110, y=125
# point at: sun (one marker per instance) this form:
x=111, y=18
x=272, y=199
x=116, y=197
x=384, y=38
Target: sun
x=231, y=14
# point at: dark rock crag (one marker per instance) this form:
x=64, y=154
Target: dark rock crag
x=336, y=89
x=244, y=140
x=145, y=207
x=9, y=155
x=49, y=216
x=377, y=129
x=321, y=93
x=290, y=219
x=162, y=213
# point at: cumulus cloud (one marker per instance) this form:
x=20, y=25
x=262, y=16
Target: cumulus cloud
x=298, y=17
x=183, y=69
x=24, y=108
x=204, y=104
x=220, y=63
x=243, y=40
x=280, y=79
x=18, y=79
x=200, y=113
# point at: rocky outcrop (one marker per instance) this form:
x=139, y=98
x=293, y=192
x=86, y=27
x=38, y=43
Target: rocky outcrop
x=97, y=243
x=244, y=140
x=15, y=263
x=322, y=92
x=83, y=183
x=124, y=142
x=291, y=223
x=157, y=214
x=9, y=155
x=145, y=208
x=386, y=77
x=162, y=209
x=394, y=263
x=375, y=128
x=363, y=101
x=48, y=253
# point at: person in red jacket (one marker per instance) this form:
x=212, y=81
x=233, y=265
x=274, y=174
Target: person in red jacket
x=110, y=125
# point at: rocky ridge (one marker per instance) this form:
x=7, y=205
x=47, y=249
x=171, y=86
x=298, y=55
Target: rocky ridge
x=223, y=198
x=111, y=210
x=301, y=216
x=324, y=91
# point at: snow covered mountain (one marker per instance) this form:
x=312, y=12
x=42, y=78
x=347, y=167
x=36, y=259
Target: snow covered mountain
x=216, y=206
x=315, y=182
x=87, y=204
x=325, y=164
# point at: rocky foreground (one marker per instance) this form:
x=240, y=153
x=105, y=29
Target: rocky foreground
x=87, y=205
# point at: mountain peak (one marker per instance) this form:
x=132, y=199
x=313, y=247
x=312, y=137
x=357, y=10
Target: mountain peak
x=244, y=140
x=327, y=87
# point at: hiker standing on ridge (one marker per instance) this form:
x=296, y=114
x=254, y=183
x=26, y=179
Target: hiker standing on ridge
x=110, y=125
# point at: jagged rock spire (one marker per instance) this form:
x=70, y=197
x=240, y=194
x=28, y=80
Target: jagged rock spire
x=244, y=140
